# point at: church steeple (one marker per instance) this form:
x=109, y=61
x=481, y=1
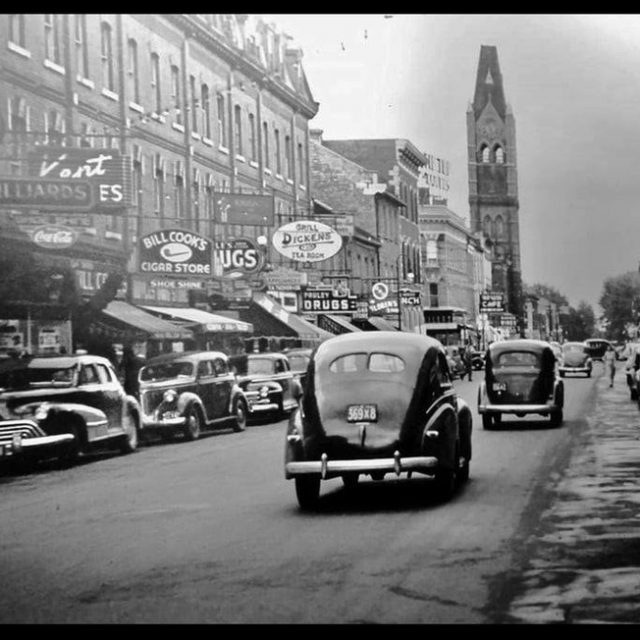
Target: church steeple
x=489, y=83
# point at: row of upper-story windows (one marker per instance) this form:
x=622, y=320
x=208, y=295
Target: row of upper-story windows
x=285, y=153
x=410, y=196
x=486, y=154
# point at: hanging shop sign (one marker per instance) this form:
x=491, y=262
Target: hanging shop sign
x=237, y=258
x=175, y=252
x=284, y=279
x=326, y=301
x=307, y=241
x=243, y=208
x=491, y=301
x=410, y=298
x=44, y=194
x=54, y=236
x=388, y=305
x=104, y=170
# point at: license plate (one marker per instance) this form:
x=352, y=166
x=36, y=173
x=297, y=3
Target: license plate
x=499, y=386
x=362, y=413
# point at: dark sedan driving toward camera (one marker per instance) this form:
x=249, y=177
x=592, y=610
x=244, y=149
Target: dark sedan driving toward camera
x=575, y=359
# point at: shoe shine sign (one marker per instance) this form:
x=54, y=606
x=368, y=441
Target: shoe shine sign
x=175, y=252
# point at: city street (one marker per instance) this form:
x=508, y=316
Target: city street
x=210, y=532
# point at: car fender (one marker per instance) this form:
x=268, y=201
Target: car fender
x=236, y=394
x=482, y=394
x=465, y=427
x=60, y=415
x=131, y=404
x=444, y=422
x=558, y=393
x=187, y=400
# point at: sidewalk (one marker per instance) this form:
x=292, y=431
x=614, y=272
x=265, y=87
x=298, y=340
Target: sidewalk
x=584, y=561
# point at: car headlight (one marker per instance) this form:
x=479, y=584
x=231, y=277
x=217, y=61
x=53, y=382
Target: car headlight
x=170, y=395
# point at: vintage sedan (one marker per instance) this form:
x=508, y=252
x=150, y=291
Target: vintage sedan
x=299, y=360
x=186, y=393
x=520, y=378
x=374, y=404
x=63, y=406
x=575, y=359
x=268, y=383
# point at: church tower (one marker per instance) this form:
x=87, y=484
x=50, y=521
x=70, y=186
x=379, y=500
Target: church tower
x=493, y=185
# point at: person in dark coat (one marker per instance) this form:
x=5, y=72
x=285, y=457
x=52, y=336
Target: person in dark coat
x=132, y=362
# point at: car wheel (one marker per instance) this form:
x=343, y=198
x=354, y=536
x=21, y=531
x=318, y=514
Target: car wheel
x=487, y=421
x=129, y=442
x=194, y=424
x=556, y=418
x=240, y=423
x=350, y=480
x=307, y=491
x=562, y=374
x=70, y=453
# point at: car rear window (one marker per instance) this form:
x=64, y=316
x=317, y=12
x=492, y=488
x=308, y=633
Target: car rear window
x=518, y=359
x=377, y=362
x=573, y=348
x=167, y=370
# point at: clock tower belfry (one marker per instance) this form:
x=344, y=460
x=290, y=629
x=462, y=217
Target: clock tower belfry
x=493, y=185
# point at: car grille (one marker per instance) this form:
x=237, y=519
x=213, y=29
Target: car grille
x=151, y=400
x=24, y=429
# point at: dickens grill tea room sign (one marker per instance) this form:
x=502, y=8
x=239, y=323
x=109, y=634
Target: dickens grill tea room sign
x=175, y=252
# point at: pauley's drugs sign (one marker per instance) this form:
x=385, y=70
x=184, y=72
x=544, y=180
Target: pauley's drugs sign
x=175, y=252
x=307, y=241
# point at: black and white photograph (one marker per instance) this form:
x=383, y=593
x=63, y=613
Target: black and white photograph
x=320, y=319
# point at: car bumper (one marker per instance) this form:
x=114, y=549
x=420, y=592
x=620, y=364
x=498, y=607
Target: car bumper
x=543, y=409
x=262, y=405
x=26, y=446
x=165, y=423
x=574, y=369
x=326, y=468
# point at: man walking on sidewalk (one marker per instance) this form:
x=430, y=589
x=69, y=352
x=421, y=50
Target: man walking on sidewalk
x=610, y=363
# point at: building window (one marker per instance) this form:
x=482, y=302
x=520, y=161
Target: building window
x=85, y=139
x=252, y=137
x=222, y=120
x=175, y=93
x=52, y=37
x=485, y=154
x=54, y=126
x=432, y=252
x=499, y=227
x=196, y=199
x=137, y=192
x=179, y=191
x=82, y=48
x=158, y=186
x=276, y=135
x=499, y=154
x=16, y=29
x=265, y=143
x=287, y=156
x=107, y=57
x=155, y=83
x=237, y=117
x=433, y=294
x=301, y=171
x=205, y=108
x=132, y=72
x=194, y=104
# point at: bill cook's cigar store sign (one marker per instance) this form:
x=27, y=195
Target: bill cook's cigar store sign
x=175, y=252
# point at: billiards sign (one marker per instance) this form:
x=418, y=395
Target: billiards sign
x=175, y=252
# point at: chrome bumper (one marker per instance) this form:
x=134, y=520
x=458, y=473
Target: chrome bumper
x=167, y=423
x=574, y=369
x=326, y=468
x=257, y=406
x=19, y=445
x=517, y=408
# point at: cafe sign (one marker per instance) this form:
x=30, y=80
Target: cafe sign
x=307, y=241
x=175, y=252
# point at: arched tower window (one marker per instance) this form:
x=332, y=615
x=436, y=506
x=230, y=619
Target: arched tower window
x=499, y=227
x=484, y=155
x=487, y=227
x=499, y=154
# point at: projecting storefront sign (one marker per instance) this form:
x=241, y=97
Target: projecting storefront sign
x=102, y=170
x=246, y=209
x=307, y=241
x=491, y=302
x=325, y=301
x=45, y=194
x=236, y=258
x=54, y=236
x=175, y=252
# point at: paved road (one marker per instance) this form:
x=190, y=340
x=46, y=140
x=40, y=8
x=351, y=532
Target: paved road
x=210, y=532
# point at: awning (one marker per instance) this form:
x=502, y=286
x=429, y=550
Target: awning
x=305, y=330
x=203, y=321
x=373, y=323
x=123, y=320
x=336, y=324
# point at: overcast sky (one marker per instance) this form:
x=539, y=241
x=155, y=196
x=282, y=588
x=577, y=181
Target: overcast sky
x=573, y=82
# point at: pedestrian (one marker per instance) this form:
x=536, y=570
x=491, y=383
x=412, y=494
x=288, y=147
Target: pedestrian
x=467, y=361
x=610, y=363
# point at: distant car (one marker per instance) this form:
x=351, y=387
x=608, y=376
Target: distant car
x=187, y=393
x=575, y=359
x=377, y=403
x=299, y=361
x=477, y=360
x=454, y=359
x=62, y=406
x=268, y=383
x=596, y=348
x=520, y=378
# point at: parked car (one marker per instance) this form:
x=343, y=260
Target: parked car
x=268, y=383
x=632, y=369
x=299, y=360
x=575, y=359
x=557, y=350
x=186, y=393
x=477, y=360
x=596, y=348
x=378, y=403
x=62, y=406
x=520, y=378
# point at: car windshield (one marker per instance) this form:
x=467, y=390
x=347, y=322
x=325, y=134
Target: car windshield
x=260, y=366
x=34, y=376
x=299, y=363
x=518, y=359
x=167, y=370
x=573, y=348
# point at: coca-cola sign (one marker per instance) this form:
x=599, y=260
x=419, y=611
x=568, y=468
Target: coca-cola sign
x=54, y=236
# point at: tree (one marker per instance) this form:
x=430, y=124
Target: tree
x=579, y=324
x=548, y=292
x=620, y=302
